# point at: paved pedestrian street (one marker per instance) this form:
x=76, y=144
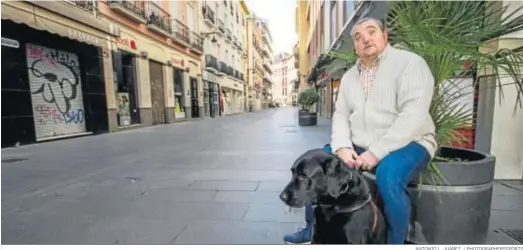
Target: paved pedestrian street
x=212, y=181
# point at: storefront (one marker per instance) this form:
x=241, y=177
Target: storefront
x=127, y=111
x=194, y=90
x=179, y=87
x=210, y=95
x=53, y=73
x=231, y=92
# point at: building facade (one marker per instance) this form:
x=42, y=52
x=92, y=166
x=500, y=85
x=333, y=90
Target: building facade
x=156, y=61
x=56, y=59
x=224, y=79
x=285, y=75
x=268, y=77
x=257, y=41
x=319, y=25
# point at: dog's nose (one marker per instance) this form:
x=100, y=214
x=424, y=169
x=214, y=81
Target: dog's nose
x=284, y=196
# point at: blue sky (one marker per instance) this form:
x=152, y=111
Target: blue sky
x=280, y=16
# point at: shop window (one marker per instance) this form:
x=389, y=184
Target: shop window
x=126, y=91
x=178, y=90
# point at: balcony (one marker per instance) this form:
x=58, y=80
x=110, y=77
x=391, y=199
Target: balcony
x=230, y=71
x=211, y=63
x=228, y=35
x=236, y=74
x=221, y=27
x=181, y=32
x=196, y=42
x=158, y=20
x=241, y=77
x=265, y=52
x=222, y=68
x=267, y=66
x=134, y=10
x=89, y=6
x=208, y=15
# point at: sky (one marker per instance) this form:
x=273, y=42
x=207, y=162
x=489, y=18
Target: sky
x=280, y=17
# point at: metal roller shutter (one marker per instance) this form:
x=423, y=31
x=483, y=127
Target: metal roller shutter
x=56, y=92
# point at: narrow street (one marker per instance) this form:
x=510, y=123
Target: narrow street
x=213, y=181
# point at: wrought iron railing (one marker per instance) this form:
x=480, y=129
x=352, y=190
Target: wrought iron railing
x=228, y=33
x=196, y=41
x=222, y=67
x=89, y=5
x=221, y=26
x=181, y=31
x=137, y=7
x=156, y=15
x=209, y=14
x=211, y=62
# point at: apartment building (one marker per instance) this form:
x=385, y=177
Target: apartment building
x=156, y=61
x=319, y=24
x=267, y=53
x=224, y=58
x=285, y=75
x=56, y=57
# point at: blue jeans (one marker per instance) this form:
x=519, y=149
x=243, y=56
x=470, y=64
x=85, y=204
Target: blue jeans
x=392, y=176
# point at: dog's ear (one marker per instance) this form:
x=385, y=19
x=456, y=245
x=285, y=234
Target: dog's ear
x=337, y=176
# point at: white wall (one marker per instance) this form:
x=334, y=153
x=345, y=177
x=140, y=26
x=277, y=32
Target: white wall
x=507, y=126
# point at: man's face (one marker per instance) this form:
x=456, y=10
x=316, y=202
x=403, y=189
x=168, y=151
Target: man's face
x=369, y=39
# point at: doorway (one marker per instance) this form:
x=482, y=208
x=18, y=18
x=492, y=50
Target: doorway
x=157, y=96
x=195, y=112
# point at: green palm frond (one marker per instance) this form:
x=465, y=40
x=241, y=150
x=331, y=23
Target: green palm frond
x=448, y=34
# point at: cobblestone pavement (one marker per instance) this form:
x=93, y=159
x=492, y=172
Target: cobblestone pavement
x=212, y=181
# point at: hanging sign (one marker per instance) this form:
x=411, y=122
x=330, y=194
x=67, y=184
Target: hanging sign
x=10, y=43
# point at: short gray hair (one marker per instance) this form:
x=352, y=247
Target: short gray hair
x=378, y=22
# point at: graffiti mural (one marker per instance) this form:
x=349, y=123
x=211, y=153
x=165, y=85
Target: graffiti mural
x=56, y=91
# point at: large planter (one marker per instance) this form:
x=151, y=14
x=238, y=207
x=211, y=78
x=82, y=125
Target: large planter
x=457, y=212
x=306, y=118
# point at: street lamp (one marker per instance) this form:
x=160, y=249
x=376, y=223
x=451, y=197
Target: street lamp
x=206, y=34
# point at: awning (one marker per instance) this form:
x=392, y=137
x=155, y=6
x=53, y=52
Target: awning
x=42, y=19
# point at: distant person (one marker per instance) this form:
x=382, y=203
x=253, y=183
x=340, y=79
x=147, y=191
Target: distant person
x=382, y=121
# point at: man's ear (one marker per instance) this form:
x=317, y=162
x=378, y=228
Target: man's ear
x=337, y=177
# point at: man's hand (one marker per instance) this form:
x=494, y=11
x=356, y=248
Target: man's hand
x=348, y=155
x=367, y=161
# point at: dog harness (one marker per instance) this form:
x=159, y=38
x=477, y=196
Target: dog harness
x=358, y=207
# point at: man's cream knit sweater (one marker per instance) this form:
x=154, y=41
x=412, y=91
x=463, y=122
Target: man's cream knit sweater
x=395, y=113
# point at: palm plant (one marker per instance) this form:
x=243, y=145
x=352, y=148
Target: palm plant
x=450, y=34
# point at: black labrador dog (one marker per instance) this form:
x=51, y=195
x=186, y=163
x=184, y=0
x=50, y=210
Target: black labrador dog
x=344, y=212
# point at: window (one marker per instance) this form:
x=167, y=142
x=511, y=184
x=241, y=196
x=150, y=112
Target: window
x=333, y=22
x=190, y=17
x=348, y=9
x=178, y=89
x=173, y=9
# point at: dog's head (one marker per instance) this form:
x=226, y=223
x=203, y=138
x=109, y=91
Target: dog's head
x=317, y=173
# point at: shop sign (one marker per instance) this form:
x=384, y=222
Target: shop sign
x=126, y=42
x=208, y=76
x=10, y=43
x=178, y=63
x=84, y=37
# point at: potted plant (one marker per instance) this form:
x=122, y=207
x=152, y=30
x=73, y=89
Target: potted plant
x=451, y=199
x=306, y=99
